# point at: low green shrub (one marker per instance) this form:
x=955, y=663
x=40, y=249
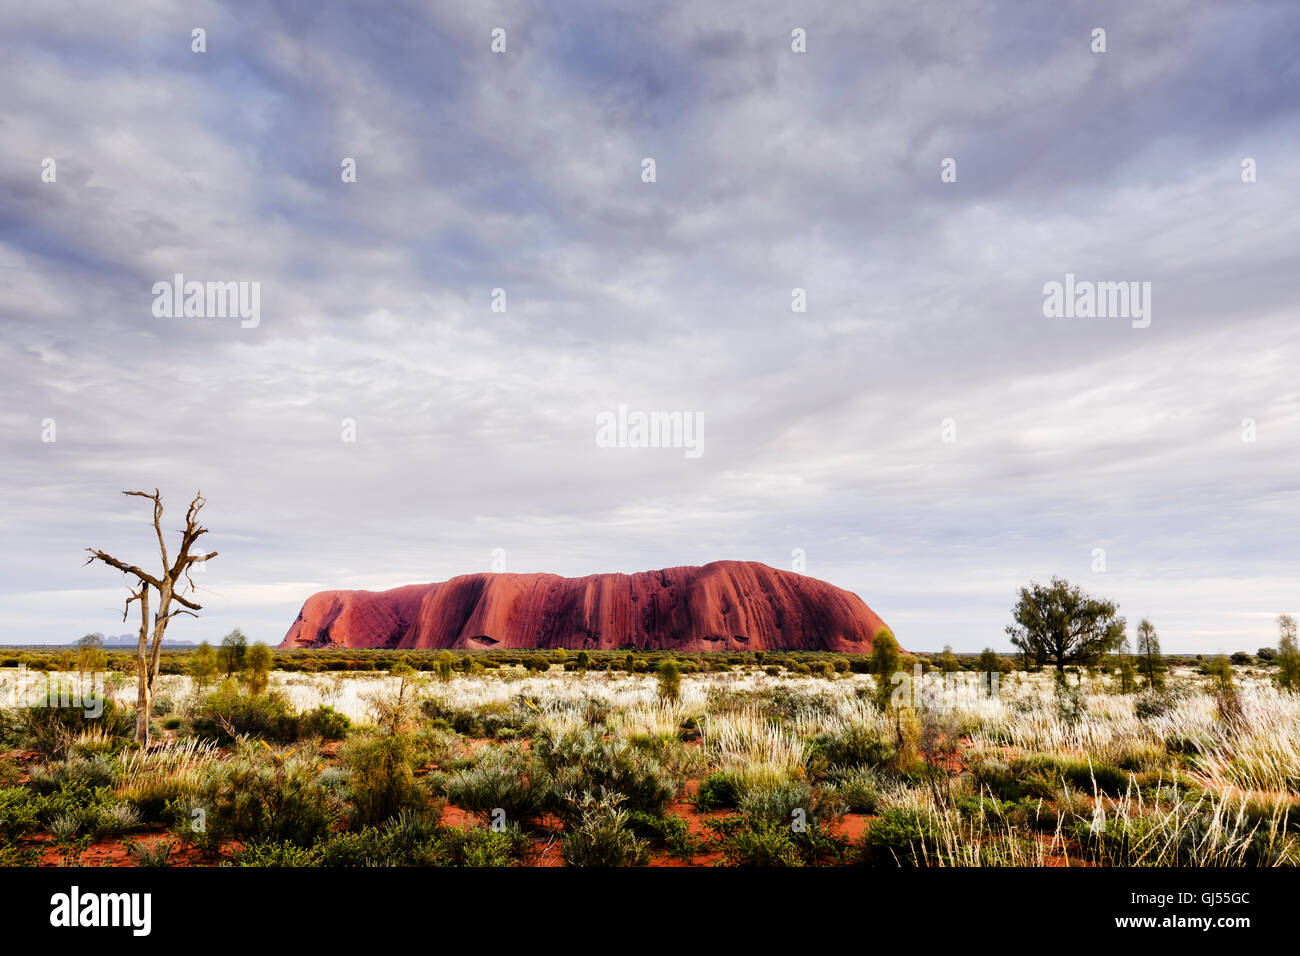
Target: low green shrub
x=602, y=836
x=505, y=778
x=277, y=854
x=855, y=746
x=383, y=780
x=228, y=713
x=259, y=797
x=51, y=728
x=902, y=836
x=719, y=790
x=586, y=763
x=324, y=722
x=669, y=832
x=858, y=789
x=89, y=772
x=19, y=812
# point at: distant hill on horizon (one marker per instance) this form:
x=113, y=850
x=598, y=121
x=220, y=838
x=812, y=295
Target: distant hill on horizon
x=113, y=641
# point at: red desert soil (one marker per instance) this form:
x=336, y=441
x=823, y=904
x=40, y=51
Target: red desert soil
x=111, y=852
x=726, y=605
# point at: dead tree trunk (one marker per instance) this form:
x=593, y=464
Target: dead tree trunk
x=165, y=584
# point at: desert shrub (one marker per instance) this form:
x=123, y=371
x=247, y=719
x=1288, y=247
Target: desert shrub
x=71, y=799
x=669, y=675
x=227, y=713
x=276, y=854
x=496, y=720
x=11, y=855
x=506, y=778
x=669, y=832
x=324, y=722
x=88, y=772
x=719, y=790
x=1081, y=773
x=383, y=779
x=407, y=840
x=51, y=729
x=781, y=803
x=761, y=843
x=585, y=763
x=1227, y=703
x=1190, y=743
x=855, y=746
x=1201, y=839
x=858, y=789
x=1220, y=669
x=154, y=853
x=414, y=841
x=1153, y=703
x=115, y=819
x=903, y=836
x=481, y=846
x=602, y=836
x=1004, y=781
x=19, y=808
x=65, y=827
x=262, y=797
x=1071, y=705
x=152, y=795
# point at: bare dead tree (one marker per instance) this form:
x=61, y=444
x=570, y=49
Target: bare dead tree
x=171, y=586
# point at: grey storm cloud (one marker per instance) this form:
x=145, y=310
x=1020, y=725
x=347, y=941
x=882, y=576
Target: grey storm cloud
x=775, y=170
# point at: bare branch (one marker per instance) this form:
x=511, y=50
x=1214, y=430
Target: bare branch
x=193, y=530
x=96, y=555
x=157, y=519
x=179, y=599
x=135, y=596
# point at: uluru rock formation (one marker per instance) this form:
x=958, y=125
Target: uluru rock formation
x=726, y=605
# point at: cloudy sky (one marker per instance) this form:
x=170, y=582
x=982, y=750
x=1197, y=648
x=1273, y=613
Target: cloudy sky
x=823, y=431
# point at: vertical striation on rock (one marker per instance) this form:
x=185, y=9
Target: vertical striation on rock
x=725, y=605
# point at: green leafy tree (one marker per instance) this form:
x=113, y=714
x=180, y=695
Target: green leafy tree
x=233, y=653
x=948, y=662
x=670, y=680
x=203, y=665
x=885, y=662
x=90, y=654
x=445, y=664
x=1148, y=652
x=583, y=660
x=1288, y=657
x=1221, y=670
x=1124, y=671
x=1059, y=624
x=257, y=671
